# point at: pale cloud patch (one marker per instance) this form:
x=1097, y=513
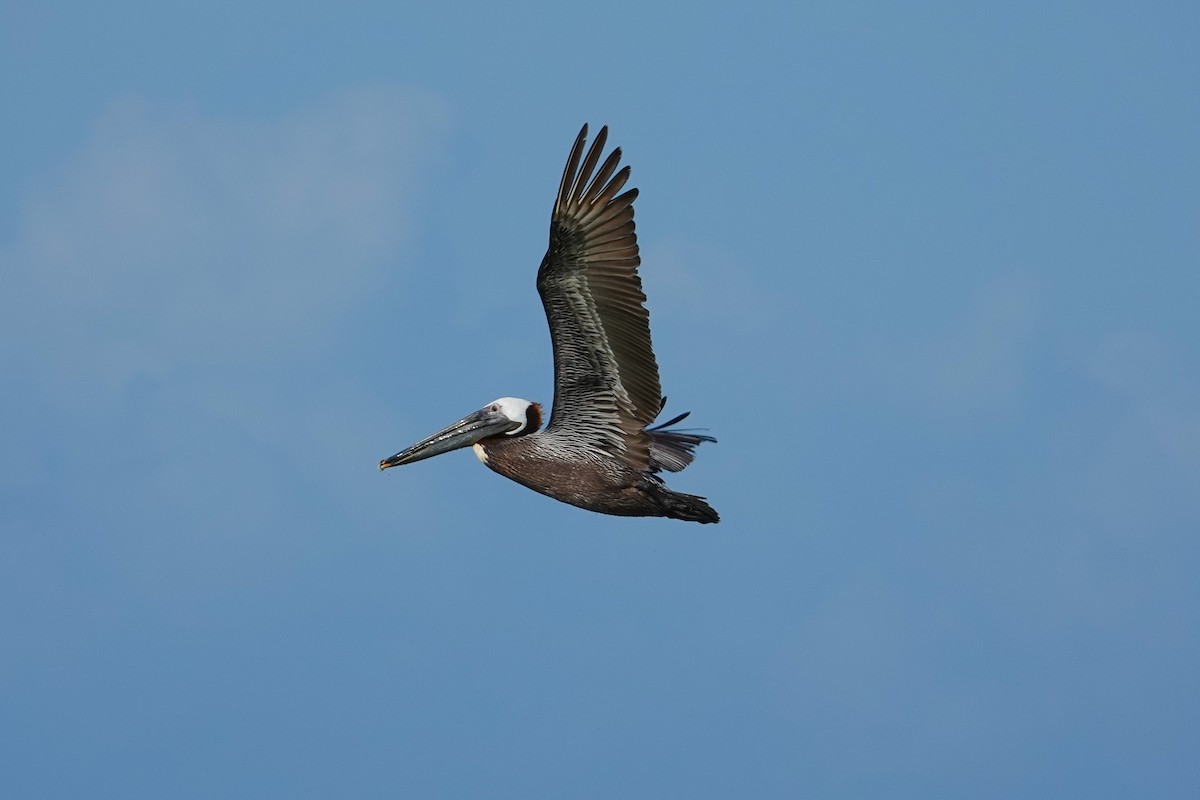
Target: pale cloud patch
x=1144, y=464
x=974, y=363
x=704, y=281
x=713, y=321
x=177, y=239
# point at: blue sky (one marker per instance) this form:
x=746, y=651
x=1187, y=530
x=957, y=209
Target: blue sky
x=929, y=273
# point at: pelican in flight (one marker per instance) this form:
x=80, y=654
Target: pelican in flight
x=598, y=452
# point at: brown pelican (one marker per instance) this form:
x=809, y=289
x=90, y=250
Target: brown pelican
x=597, y=452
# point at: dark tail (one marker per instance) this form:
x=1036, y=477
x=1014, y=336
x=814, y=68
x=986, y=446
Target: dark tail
x=687, y=507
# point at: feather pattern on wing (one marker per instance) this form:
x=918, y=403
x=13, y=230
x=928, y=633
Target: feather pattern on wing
x=606, y=384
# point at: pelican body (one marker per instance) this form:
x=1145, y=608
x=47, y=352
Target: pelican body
x=598, y=451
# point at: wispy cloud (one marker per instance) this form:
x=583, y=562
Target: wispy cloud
x=973, y=362
x=175, y=238
x=1144, y=461
x=701, y=280
x=170, y=295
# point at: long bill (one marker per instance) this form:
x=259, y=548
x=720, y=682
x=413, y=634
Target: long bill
x=464, y=433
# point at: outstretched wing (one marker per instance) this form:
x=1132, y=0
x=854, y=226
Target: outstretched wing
x=606, y=386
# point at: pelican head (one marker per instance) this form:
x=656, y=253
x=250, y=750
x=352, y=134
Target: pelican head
x=506, y=416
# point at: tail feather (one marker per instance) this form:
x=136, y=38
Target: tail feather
x=673, y=450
